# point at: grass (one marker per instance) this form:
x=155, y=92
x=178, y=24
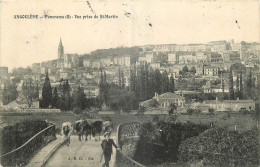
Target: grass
x=59, y=118
x=241, y=121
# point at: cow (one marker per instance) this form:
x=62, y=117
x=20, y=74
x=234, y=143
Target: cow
x=82, y=128
x=97, y=129
x=67, y=129
x=107, y=126
x=87, y=128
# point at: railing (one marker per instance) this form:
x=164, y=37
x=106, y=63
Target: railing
x=20, y=156
x=124, y=132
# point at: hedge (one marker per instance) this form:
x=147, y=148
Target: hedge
x=12, y=137
x=160, y=142
x=220, y=147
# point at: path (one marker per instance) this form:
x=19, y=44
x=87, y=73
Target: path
x=79, y=154
x=41, y=156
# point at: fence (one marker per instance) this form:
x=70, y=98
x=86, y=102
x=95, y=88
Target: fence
x=124, y=132
x=20, y=156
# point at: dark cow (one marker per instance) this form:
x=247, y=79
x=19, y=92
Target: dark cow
x=107, y=126
x=83, y=128
x=97, y=129
x=87, y=129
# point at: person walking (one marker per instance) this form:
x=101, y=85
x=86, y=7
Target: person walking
x=66, y=131
x=107, y=148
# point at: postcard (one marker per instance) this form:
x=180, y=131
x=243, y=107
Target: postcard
x=129, y=83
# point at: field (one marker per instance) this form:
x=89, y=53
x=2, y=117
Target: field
x=59, y=118
x=239, y=122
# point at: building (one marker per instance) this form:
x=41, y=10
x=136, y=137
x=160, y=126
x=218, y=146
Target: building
x=209, y=88
x=142, y=59
x=218, y=46
x=36, y=67
x=150, y=57
x=230, y=56
x=86, y=63
x=199, y=69
x=235, y=46
x=173, y=58
x=106, y=62
x=3, y=71
x=201, y=57
x=165, y=100
x=228, y=105
x=126, y=61
x=71, y=60
x=211, y=71
x=96, y=64
x=187, y=59
x=215, y=57
x=43, y=70
x=155, y=65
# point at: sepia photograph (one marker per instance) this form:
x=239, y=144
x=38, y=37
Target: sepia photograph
x=129, y=83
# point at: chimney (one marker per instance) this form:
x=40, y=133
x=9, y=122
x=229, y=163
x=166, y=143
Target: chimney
x=156, y=96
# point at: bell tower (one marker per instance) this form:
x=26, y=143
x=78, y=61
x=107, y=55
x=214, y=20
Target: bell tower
x=60, y=51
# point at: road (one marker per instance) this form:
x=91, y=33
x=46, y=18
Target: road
x=79, y=154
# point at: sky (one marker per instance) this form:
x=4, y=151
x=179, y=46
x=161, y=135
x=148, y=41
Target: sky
x=27, y=41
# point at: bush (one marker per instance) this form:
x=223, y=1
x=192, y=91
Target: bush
x=13, y=137
x=220, y=147
x=193, y=111
x=163, y=140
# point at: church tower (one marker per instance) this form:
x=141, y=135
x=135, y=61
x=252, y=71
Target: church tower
x=60, y=51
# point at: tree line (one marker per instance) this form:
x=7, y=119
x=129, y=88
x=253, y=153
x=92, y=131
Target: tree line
x=245, y=88
x=61, y=97
x=143, y=83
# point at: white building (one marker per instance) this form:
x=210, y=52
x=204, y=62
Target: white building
x=172, y=58
x=86, y=63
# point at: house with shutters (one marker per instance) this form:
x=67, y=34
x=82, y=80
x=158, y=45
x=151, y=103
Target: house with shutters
x=164, y=101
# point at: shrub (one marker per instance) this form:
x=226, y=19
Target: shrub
x=163, y=140
x=220, y=147
x=13, y=137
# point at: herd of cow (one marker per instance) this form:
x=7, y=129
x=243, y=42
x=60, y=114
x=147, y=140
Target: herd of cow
x=86, y=128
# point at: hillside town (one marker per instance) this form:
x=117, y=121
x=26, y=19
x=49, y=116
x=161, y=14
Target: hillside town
x=154, y=79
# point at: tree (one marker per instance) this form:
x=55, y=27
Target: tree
x=123, y=80
x=28, y=92
x=151, y=84
x=105, y=89
x=79, y=99
x=132, y=79
x=250, y=86
x=101, y=85
x=46, y=92
x=241, y=88
x=237, y=87
x=231, y=89
x=55, y=99
x=172, y=109
x=185, y=70
x=171, y=85
x=119, y=77
x=9, y=93
x=157, y=79
x=142, y=83
x=193, y=70
x=165, y=82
